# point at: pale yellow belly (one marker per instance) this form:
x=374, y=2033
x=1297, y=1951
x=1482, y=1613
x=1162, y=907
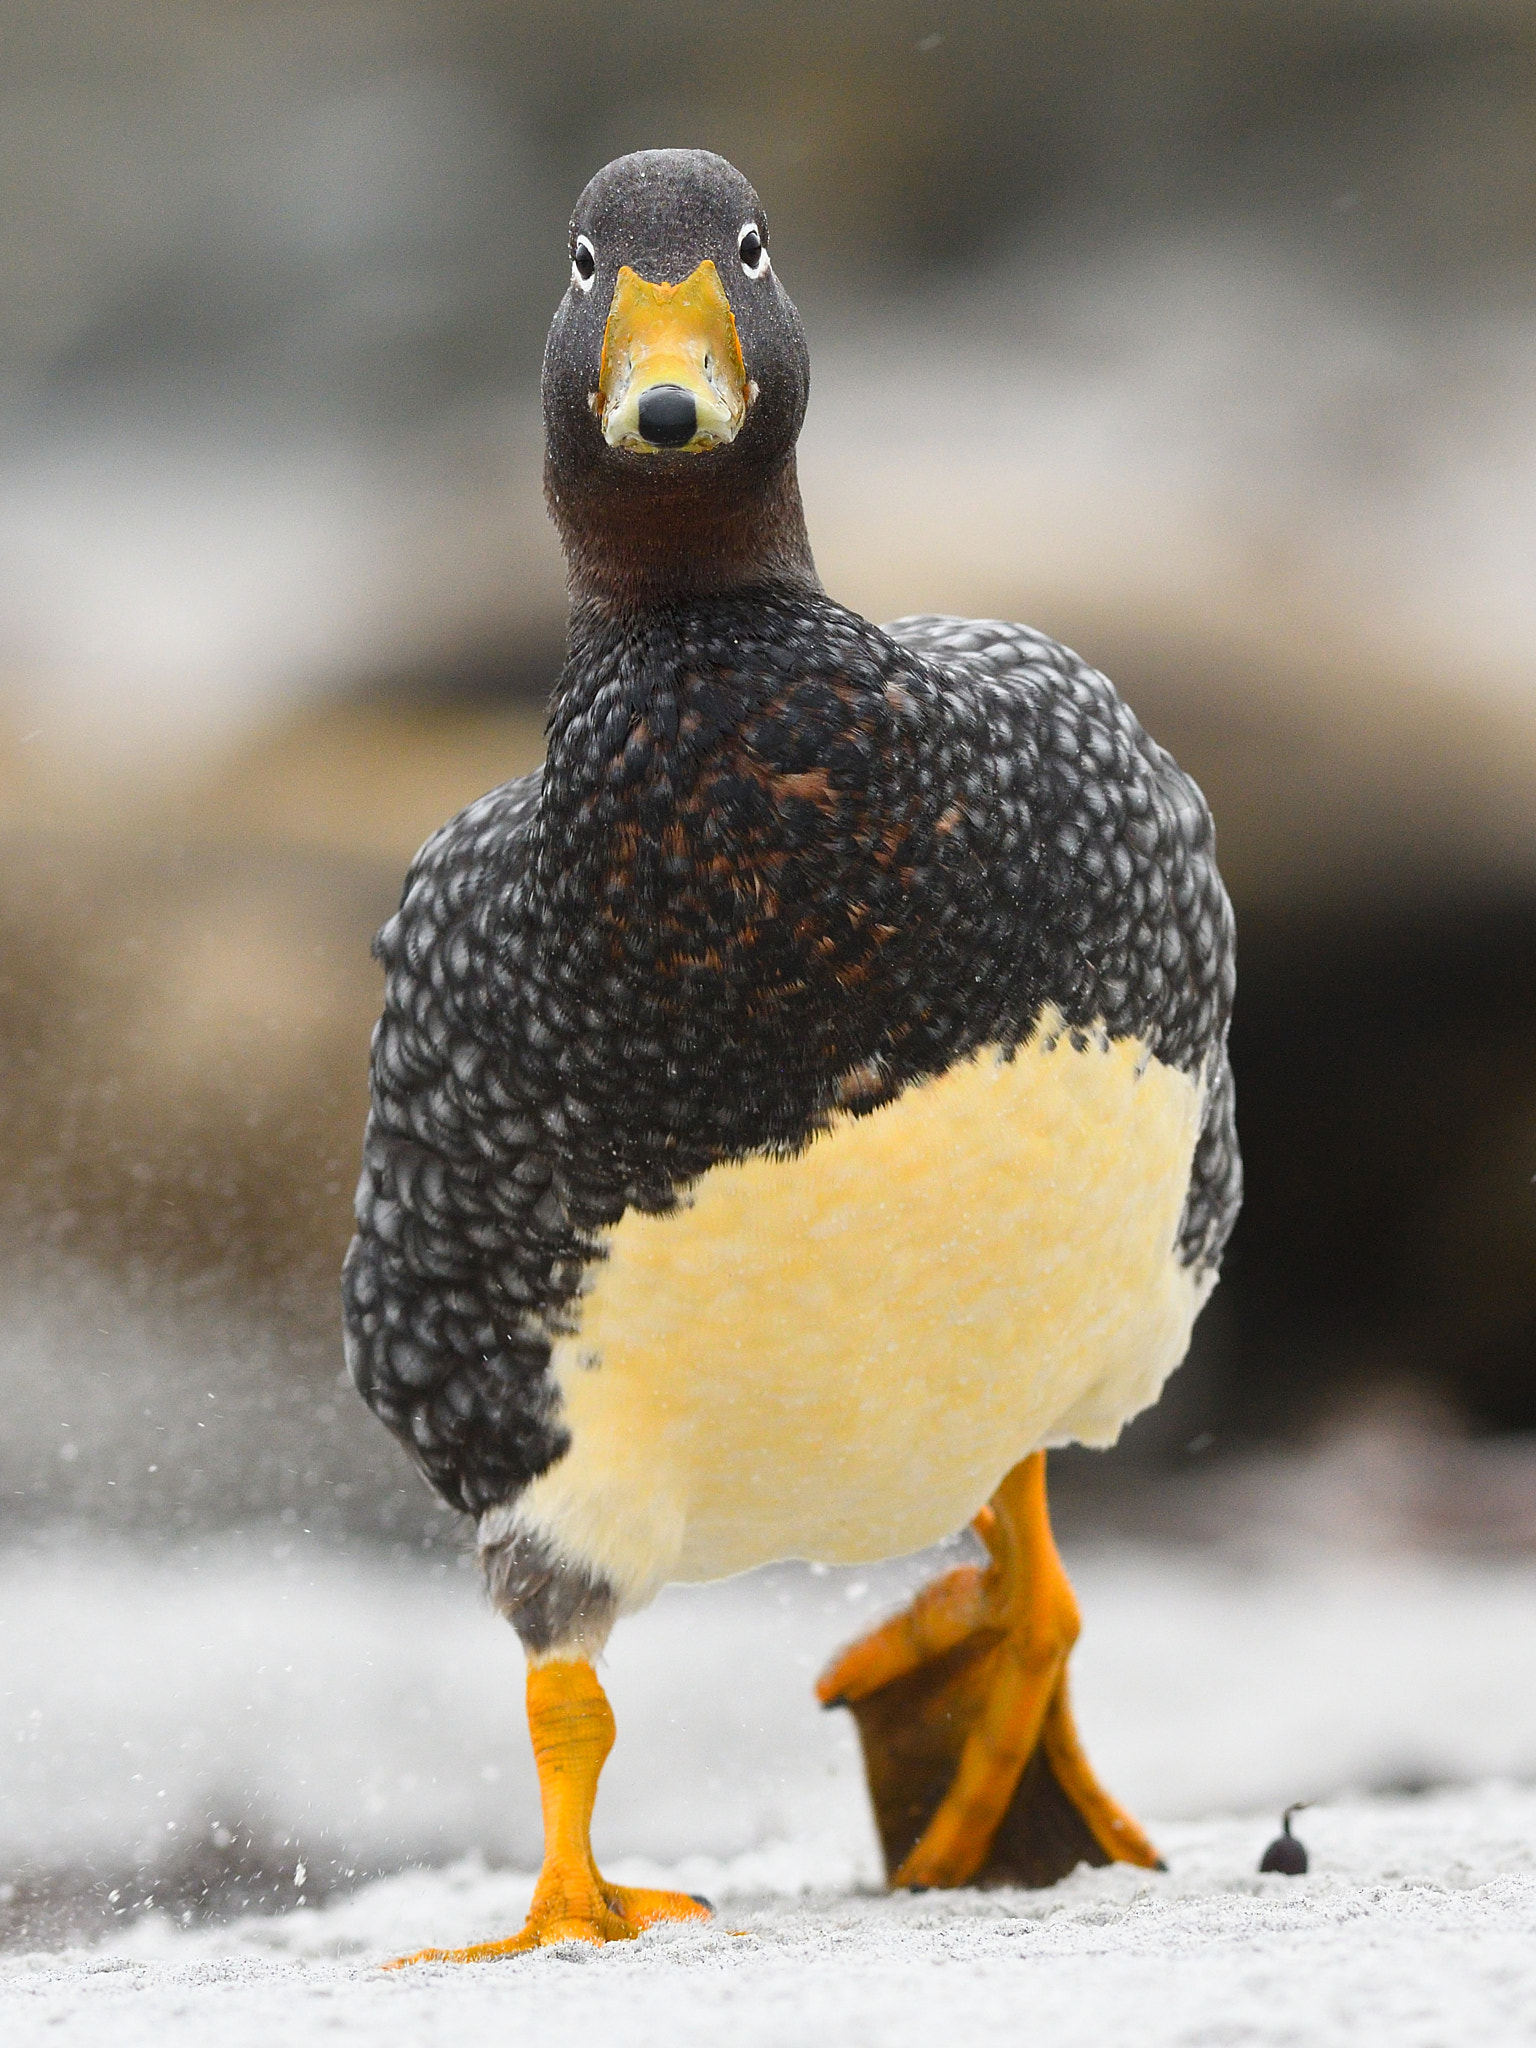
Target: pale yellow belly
x=838, y=1356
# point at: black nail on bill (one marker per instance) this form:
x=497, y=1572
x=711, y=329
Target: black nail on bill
x=668, y=417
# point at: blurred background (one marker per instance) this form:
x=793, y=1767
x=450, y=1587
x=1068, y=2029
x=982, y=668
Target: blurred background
x=1202, y=335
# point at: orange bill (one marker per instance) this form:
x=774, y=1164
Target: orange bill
x=672, y=376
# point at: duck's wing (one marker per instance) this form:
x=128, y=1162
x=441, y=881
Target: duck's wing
x=1128, y=858
x=432, y=1335
x=493, y=825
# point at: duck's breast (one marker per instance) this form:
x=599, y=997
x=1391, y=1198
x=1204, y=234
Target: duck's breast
x=838, y=1355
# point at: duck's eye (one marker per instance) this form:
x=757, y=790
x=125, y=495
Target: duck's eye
x=749, y=246
x=583, y=264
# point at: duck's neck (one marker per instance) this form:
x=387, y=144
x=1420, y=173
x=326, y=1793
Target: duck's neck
x=625, y=557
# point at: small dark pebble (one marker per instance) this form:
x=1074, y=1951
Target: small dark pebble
x=1285, y=1853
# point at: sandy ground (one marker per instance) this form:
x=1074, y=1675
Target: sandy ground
x=1415, y=1928
x=319, y=1718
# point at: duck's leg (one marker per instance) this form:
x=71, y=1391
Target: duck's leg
x=974, y=1764
x=571, y=1723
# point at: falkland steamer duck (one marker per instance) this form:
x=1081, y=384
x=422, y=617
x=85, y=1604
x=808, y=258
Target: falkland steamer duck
x=797, y=1106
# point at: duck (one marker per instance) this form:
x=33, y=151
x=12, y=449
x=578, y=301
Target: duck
x=799, y=1105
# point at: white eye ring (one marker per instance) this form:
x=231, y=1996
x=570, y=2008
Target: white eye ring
x=758, y=266
x=582, y=278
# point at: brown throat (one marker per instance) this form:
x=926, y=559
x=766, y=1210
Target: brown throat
x=668, y=537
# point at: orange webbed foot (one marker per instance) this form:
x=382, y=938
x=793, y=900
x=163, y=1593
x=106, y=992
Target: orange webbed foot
x=601, y=1913
x=572, y=1728
x=941, y=1617
x=974, y=1764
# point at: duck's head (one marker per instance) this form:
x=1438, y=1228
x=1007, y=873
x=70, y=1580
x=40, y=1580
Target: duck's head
x=675, y=382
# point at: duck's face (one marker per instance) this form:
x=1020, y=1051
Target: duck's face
x=676, y=358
